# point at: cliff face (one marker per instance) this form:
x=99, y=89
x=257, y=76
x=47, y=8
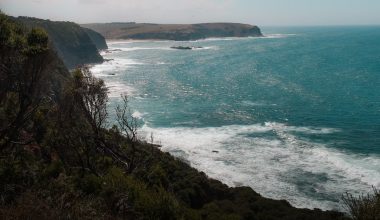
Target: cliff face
x=176, y=32
x=72, y=43
x=97, y=39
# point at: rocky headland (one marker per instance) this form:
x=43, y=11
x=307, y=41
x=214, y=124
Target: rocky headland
x=177, y=32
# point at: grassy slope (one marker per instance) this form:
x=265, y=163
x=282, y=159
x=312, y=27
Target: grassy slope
x=173, y=31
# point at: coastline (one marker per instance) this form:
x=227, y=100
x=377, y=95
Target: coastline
x=335, y=161
x=230, y=128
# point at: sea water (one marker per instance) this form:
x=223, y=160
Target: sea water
x=295, y=115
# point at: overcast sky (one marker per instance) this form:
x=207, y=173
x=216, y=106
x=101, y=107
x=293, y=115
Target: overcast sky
x=260, y=12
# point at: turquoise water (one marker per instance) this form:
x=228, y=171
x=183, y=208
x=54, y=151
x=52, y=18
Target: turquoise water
x=295, y=115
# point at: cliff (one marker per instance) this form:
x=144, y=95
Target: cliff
x=178, y=32
x=97, y=39
x=73, y=44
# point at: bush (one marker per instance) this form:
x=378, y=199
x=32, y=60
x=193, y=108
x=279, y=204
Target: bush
x=90, y=184
x=38, y=41
x=364, y=207
x=53, y=170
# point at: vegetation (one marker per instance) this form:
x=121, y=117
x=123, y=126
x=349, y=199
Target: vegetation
x=365, y=207
x=75, y=45
x=59, y=160
x=97, y=39
x=178, y=32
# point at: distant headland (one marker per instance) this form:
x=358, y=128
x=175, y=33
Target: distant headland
x=176, y=32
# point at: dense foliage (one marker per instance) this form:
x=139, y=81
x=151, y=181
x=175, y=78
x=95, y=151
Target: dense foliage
x=75, y=45
x=59, y=160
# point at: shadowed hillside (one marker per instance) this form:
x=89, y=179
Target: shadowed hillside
x=97, y=39
x=75, y=45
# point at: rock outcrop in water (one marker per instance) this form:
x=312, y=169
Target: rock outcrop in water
x=178, y=32
x=74, y=45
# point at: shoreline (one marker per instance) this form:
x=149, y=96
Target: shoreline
x=133, y=40
x=265, y=36
x=253, y=187
x=167, y=149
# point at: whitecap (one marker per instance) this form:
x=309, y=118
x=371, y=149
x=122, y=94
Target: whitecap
x=257, y=103
x=113, y=66
x=116, y=89
x=138, y=115
x=207, y=48
x=141, y=48
x=113, y=42
x=274, y=36
x=274, y=161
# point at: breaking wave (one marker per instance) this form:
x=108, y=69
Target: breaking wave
x=272, y=160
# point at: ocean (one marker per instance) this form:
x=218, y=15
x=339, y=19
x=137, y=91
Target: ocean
x=295, y=115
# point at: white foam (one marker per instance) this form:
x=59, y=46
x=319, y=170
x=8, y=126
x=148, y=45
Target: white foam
x=111, y=67
x=207, y=48
x=273, y=36
x=113, y=42
x=257, y=103
x=138, y=115
x=223, y=39
x=116, y=89
x=127, y=49
x=266, y=36
x=279, y=127
x=273, y=164
x=130, y=41
x=109, y=71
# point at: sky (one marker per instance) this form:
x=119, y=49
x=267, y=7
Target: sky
x=259, y=12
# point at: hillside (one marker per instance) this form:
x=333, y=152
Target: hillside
x=74, y=45
x=59, y=159
x=176, y=32
x=97, y=39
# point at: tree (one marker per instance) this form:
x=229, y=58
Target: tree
x=127, y=123
x=129, y=126
x=88, y=97
x=23, y=69
x=91, y=95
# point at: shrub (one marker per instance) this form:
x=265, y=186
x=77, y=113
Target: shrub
x=90, y=184
x=53, y=170
x=364, y=207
